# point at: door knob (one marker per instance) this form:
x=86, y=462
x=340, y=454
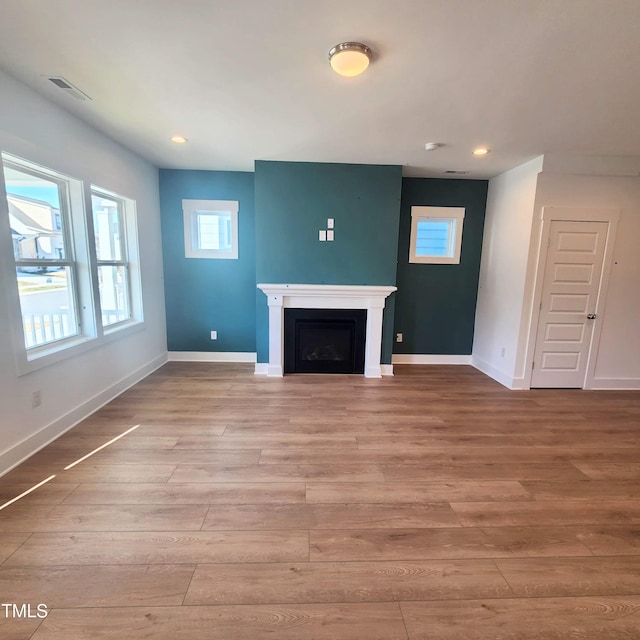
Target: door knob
x=591, y=316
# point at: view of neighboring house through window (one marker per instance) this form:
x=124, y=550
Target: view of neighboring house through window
x=214, y=231
x=38, y=204
x=434, y=237
x=111, y=252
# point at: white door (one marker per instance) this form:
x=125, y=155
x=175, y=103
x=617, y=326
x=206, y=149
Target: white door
x=572, y=276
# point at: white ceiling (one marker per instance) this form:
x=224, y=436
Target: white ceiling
x=249, y=79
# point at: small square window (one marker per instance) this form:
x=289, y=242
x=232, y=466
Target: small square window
x=210, y=229
x=436, y=235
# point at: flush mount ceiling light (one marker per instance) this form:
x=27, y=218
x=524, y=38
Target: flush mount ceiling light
x=432, y=146
x=481, y=151
x=178, y=139
x=350, y=58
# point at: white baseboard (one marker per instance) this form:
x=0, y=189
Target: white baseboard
x=519, y=384
x=616, y=384
x=27, y=447
x=428, y=358
x=499, y=376
x=262, y=369
x=212, y=356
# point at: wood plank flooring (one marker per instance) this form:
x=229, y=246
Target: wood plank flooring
x=434, y=504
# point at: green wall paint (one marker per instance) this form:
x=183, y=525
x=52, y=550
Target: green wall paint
x=203, y=294
x=435, y=304
x=293, y=202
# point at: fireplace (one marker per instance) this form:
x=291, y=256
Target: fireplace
x=324, y=340
x=281, y=297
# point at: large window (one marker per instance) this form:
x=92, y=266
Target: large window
x=436, y=235
x=74, y=286
x=41, y=233
x=112, y=259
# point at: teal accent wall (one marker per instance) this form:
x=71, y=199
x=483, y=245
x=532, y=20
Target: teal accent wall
x=434, y=306
x=293, y=202
x=436, y=303
x=203, y=294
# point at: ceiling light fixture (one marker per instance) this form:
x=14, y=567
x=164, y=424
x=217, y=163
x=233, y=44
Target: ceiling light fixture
x=349, y=58
x=481, y=151
x=178, y=139
x=432, y=146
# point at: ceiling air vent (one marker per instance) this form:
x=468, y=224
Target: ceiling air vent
x=456, y=172
x=67, y=87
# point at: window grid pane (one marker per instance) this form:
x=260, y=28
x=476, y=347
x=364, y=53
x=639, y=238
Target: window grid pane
x=34, y=215
x=108, y=225
x=434, y=237
x=208, y=231
x=47, y=305
x=113, y=281
x=213, y=231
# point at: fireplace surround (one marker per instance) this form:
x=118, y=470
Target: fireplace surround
x=319, y=296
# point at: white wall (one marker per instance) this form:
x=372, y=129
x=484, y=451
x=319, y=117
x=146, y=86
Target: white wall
x=37, y=130
x=618, y=357
x=503, y=270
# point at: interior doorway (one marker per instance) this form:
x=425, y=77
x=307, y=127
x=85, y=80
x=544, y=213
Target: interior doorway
x=571, y=303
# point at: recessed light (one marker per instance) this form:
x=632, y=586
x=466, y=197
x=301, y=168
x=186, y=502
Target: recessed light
x=178, y=139
x=481, y=151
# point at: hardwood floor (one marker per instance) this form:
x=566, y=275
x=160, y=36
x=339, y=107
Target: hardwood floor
x=431, y=505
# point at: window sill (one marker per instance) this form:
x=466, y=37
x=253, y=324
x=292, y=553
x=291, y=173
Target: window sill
x=46, y=356
x=434, y=260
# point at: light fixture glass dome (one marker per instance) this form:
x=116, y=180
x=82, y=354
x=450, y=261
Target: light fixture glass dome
x=350, y=58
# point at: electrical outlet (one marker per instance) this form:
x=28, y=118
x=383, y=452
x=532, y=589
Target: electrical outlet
x=398, y=337
x=36, y=399
x=214, y=335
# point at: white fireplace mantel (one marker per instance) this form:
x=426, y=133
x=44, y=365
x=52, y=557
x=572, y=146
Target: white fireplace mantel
x=321, y=296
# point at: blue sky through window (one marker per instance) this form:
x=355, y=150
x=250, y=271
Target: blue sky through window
x=46, y=193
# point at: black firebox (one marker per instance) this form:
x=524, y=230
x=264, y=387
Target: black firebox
x=324, y=340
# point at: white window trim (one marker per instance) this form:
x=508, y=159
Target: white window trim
x=190, y=210
x=439, y=213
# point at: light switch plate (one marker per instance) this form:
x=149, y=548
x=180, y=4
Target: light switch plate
x=322, y=235
x=330, y=235
x=329, y=223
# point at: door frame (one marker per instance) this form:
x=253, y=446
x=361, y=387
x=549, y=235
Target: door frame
x=573, y=214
